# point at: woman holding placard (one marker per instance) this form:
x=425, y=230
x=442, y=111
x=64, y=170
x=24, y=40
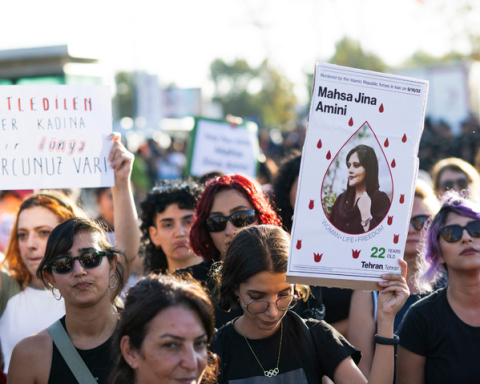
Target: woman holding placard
x=25, y=306
x=362, y=206
x=440, y=334
x=270, y=340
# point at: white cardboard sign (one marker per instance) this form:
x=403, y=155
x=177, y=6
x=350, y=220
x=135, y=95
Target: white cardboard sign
x=220, y=147
x=55, y=137
x=357, y=177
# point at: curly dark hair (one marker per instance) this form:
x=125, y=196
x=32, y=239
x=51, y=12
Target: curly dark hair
x=157, y=201
x=288, y=172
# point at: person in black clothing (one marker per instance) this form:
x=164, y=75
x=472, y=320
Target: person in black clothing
x=167, y=215
x=269, y=344
x=440, y=334
x=362, y=206
x=163, y=334
x=229, y=203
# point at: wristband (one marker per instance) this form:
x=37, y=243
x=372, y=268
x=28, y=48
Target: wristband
x=386, y=341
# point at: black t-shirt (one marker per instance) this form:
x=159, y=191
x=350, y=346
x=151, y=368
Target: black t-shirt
x=310, y=350
x=452, y=348
x=97, y=360
x=312, y=308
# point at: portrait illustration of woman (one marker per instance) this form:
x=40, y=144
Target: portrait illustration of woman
x=362, y=206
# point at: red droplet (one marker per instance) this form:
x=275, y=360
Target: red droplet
x=350, y=123
x=355, y=253
x=390, y=220
x=299, y=244
x=395, y=238
x=311, y=204
x=329, y=155
x=394, y=164
x=381, y=108
x=404, y=138
x=402, y=199
x=317, y=257
x=386, y=144
x=319, y=144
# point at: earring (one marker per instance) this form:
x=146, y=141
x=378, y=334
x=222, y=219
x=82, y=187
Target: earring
x=116, y=280
x=59, y=294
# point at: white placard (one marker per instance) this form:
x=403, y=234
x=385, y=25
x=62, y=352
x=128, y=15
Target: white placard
x=363, y=133
x=55, y=137
x=220, y=147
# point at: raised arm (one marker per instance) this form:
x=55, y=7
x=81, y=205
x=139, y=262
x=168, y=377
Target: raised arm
x=127, y=234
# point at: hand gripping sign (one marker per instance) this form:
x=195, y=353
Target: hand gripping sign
x=357, y=177
x=55, y=137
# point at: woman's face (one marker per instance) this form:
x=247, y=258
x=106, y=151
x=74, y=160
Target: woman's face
x=463, y=255
x=413, y=237
x=356, y=172
x=174, y=349
x=264, y=286
x=452, y=180
x=34, y=227
x=84, y=286
x=224, y=204
x=172, y=232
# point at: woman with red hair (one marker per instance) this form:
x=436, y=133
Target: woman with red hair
x=228, y=204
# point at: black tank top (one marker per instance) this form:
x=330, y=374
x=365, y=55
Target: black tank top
x=97, y=360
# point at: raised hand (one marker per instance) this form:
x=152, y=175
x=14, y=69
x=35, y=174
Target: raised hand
x=121, y=160
x=394, y=294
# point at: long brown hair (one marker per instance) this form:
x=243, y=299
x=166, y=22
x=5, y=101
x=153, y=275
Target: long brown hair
x=55, y=202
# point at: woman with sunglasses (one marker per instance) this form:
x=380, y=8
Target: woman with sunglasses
x=440, y=334
x=89, y=274
x=270, y=340
x=25, y=306
x=363, y=307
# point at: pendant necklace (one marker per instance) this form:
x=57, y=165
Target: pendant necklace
x=271, y=372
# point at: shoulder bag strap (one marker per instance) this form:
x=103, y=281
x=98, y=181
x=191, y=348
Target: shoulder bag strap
x=70, y=354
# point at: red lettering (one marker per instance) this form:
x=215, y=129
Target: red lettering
x=8, y=98
x=65, y=104
x=31, y=105
x=19, y=106
x=75, y=103
x=45, y=104
x=89, y=101
x=56, y=103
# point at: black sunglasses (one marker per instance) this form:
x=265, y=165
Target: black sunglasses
x=453, y=233
x=238, y=219
x=461, y=183
x=88, y=260
x=419, y=221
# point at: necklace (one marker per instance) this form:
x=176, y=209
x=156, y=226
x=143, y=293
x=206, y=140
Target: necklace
x=271, y=372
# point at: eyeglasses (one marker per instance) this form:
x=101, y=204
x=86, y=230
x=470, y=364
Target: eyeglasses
x=283, y=303
x=419, y=221
x=453, y=233
x=461, y=183
x=238, y=219
x=88, y=260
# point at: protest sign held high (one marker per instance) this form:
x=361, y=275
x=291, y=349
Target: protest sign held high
x=218, y=146
x=357, y=177
x=55, y=137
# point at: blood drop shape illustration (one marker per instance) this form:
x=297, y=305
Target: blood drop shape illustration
x=402, y=199
x=299, y=244
x=394, y=164
x=386, y=144
x=311, y=204
x=395, y=238
x=404, y=138
x=355, y=253
x=390, y=220
x=317, y=257
x=381, y=108
x=319, y=144
x=338, y=175
x=350, y=123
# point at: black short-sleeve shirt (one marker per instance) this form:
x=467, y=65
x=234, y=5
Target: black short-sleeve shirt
x=452, y=348
x=310, y=350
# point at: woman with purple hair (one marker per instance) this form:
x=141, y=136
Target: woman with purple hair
x=440, y=334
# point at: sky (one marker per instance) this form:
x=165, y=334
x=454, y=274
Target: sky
x=177, y=40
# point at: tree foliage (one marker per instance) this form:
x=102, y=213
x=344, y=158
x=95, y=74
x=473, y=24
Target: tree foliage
x=124, y=99
x=349, y=53
x=263, y=94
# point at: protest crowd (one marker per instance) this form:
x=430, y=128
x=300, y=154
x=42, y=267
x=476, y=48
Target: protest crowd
x=169, y=279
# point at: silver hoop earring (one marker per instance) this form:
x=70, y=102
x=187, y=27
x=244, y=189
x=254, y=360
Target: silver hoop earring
x=116, y=280
x=59, y=294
